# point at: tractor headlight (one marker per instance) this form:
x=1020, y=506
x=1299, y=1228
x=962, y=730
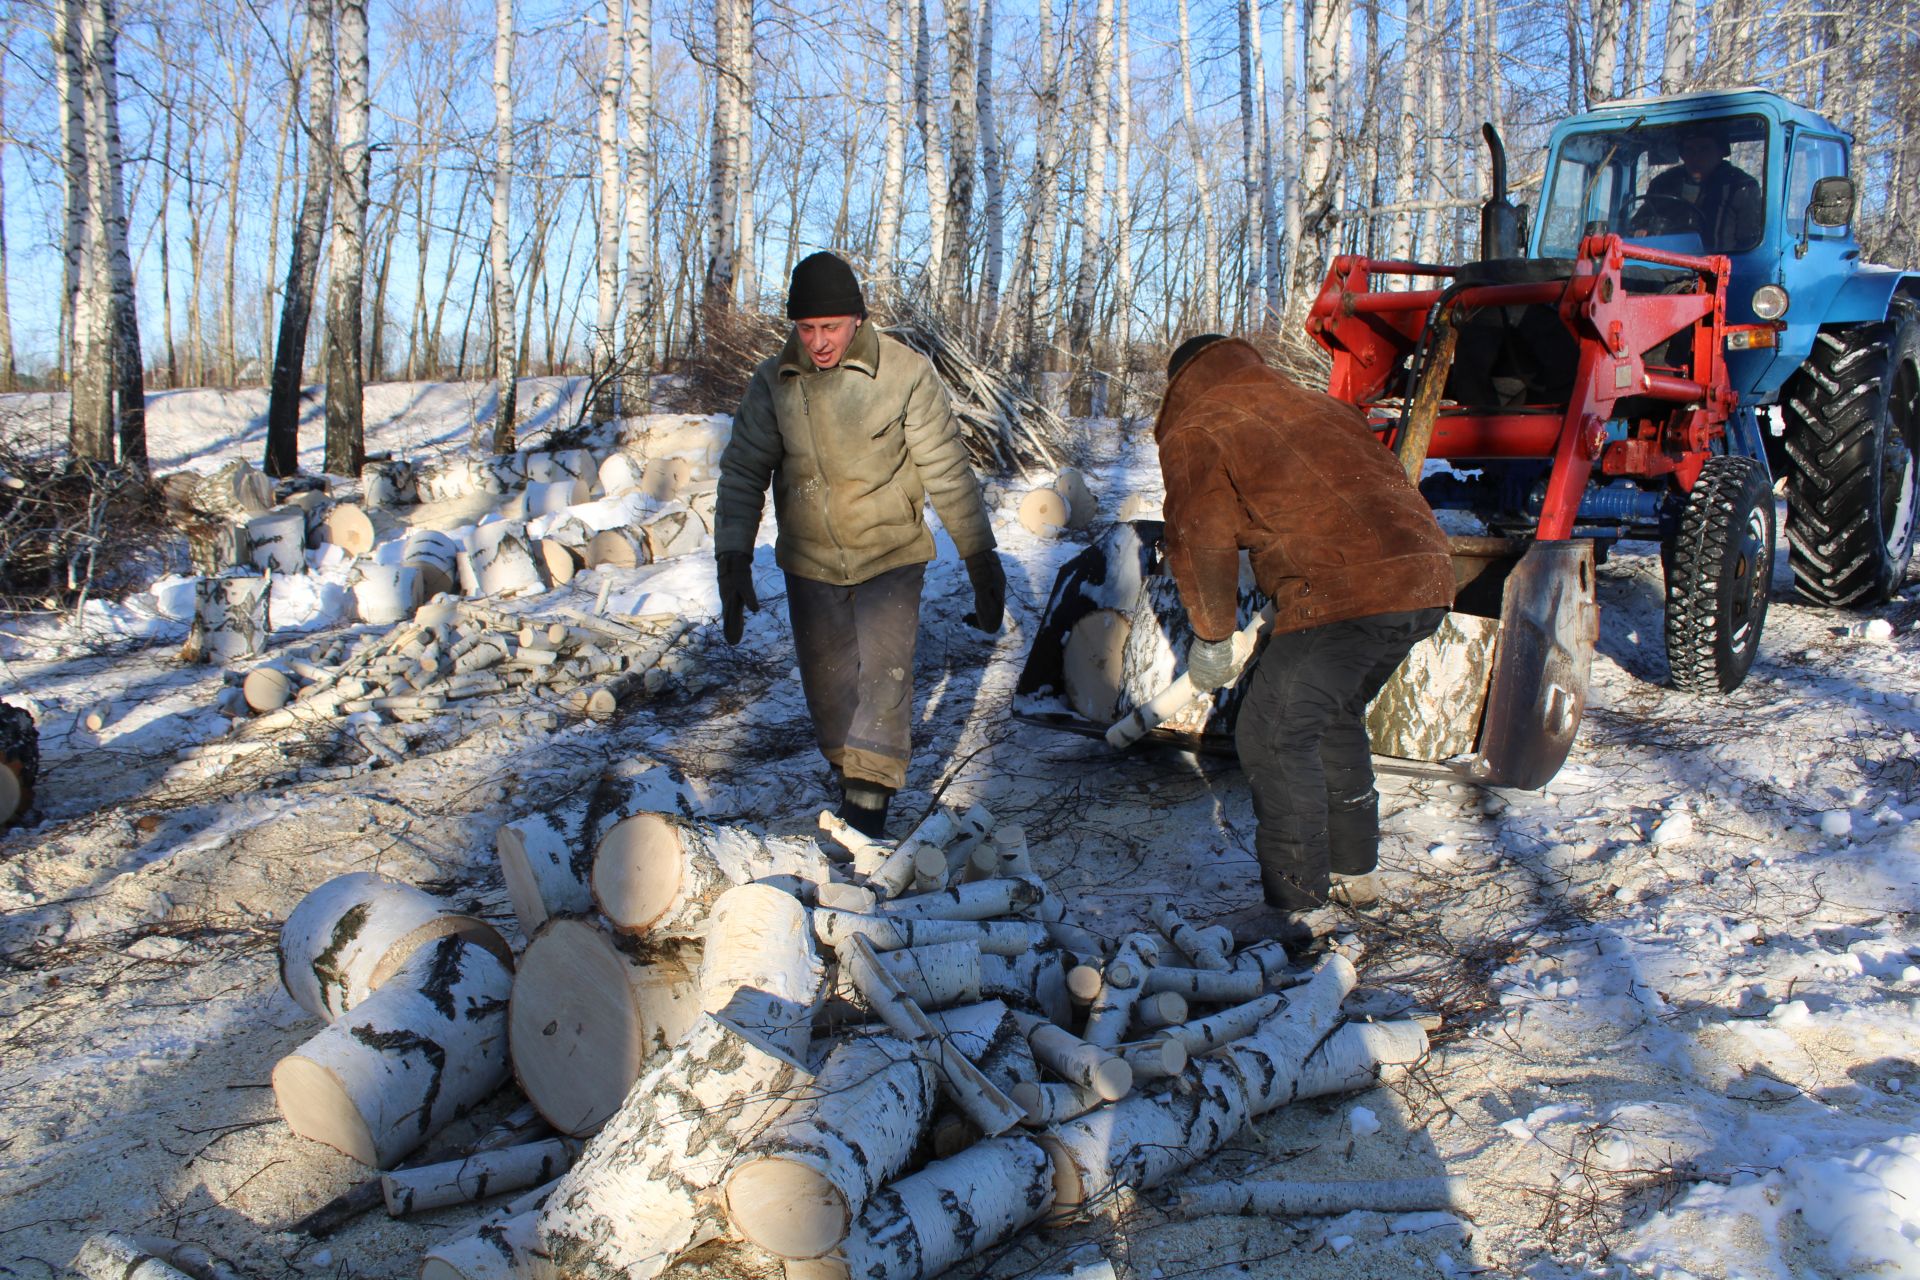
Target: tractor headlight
x=1770, y=302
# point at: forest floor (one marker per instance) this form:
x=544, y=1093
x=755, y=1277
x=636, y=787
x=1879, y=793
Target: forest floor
x=1691, y=1055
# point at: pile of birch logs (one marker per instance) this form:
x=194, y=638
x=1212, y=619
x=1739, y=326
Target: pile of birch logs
x=1065, y=504
x=846, y=1057
x=458, y=660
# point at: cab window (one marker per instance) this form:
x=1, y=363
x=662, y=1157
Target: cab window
x=1814, y=158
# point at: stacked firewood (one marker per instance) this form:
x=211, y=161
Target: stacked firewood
x=857, y=1057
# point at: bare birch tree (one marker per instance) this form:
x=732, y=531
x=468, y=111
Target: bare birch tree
x=951, y=299
x=296, y=307
x=1604, y=58
x=347, y=263
x=499, y=249
x=607, y=226
x=1123, y=188
x=1093, y=210
x=1203, y=186
x=110, y=204
x=89, y=362
x=640, y=298
x=991, y=163
x=7, y=381
x=886, y=236
x=723, y=178
x=933, y=154
x=1676, y=74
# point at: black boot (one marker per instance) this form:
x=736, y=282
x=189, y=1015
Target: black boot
x=865, y=807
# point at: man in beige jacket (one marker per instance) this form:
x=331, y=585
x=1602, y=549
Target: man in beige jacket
x=854, y=431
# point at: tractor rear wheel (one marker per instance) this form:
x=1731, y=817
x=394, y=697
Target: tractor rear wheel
x=1852, y=416
x=1718, y=566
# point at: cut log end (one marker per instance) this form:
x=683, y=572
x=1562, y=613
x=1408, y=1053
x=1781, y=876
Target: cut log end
x=1113, y=1079
x=317, y=1105
x=637, y=869
x=467, y=927
x=574, y=1034
x=786, y=1208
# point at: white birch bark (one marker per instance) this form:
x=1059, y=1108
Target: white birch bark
x=639, y=299
x=1676, y=74
x=1318, y=171
x=347, y=263
x=1253, y=234
x=353, y=932
x=746, y=283
x=110, y=203
x=797, y=1193
x=608, y=222
x=928, y=1222
x=1604, y=59
x=992, y=162
x=1269, y=245
x=90, y=364
x=658, y=874
x=933, y=154
x=499, y=249
x=1123, y=188
x=1093, y=209
x=1202, y=185
x=995, y=937
x=722, y=183
x=1042, y=276
x=886, y=237
x=963, y=139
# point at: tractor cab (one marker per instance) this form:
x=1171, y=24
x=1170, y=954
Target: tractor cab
x=1746, y=175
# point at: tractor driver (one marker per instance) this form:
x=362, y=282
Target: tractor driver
x=1358, y=571
x=1723, y=201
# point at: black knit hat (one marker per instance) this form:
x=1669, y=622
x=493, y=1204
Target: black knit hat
x=1189, y=349
x=824, y=285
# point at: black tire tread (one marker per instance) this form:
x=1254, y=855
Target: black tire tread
x=1715, y=511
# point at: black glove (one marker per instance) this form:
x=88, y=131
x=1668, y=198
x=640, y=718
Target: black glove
x=734, y=569
x=989, y=590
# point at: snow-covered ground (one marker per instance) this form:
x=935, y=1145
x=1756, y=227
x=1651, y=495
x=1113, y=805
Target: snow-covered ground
x=1680, y=986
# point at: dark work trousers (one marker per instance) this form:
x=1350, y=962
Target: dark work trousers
x=855, y=646
x=1302, y=738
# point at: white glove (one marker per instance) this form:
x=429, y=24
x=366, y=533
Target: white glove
x=1210, y=664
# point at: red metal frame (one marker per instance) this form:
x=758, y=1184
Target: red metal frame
x=1371, y=332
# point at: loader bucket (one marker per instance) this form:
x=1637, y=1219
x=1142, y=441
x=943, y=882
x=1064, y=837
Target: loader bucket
x=1494, y=697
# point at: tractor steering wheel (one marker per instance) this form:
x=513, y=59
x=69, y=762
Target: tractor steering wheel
x=1658, y=215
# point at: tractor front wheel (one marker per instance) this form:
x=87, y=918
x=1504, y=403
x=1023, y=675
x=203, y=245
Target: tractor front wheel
x=1718, y=566
x=1852, y=416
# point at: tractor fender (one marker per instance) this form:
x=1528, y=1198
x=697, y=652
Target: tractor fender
x=1868, y=293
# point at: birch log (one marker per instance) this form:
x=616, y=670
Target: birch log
x=265, y=689
x=236, y=490
x=476, y=1177
x=655, y=873
x=107, y=1255
x=383, y=594
x=947, y=973
x=1198, y=946
x=423, y=1050
x=1271, y=1058
x=1088, y=1066
x=974, y=900
x=621, y=548
x=950, y=1211
x=996, y=937
x=277, y=540
x=1112, y=1009
x=503, y=563
x=758, y=970
x=798, y=1191
x=230, y=619
x=979, y=1098
x=1035, y=979
x=1204, y=1035
x=1285, y=1198
x=388, y=483
x=587, y=1017
x=640, y=1195
x=347, y=937
x=1052, y=1102
x=1359, y=1055
x=674, y=533
x=547, y=858
x=502, y=1249
x=347, y=527
x=925, y=843
x=431, y=555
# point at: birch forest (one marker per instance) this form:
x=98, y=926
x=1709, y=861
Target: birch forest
x=285, y=193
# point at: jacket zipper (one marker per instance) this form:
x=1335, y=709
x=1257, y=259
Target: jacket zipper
x=806, y=406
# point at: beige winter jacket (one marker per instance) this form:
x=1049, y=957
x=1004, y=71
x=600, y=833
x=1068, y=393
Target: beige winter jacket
x=853, y=453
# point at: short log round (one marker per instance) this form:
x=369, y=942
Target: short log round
x=431, y=554
x=278, y=540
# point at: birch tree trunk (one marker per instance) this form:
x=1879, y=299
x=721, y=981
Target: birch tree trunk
x=1318, y=172
x=642, y=289
x=1269, y=230
x=722, y=182
x=1093, y=212
x=1412, y=28
x=991, y=162
x=283, y=155
x=90, y=364
x=1677, y=72
x=1203, y=187
x=746, y=283
x=1605, y=58
x=240, y=85
x=1036, y=331
x=962, y=111
x=110, y=201
x=499, y=252
x=346, y=449
x=1123, y=195
x=886, y=236
x=607, y=225
x=932, y=155
x=296, y=306
x=6, y=316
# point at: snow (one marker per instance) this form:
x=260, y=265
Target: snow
x=1680, y=987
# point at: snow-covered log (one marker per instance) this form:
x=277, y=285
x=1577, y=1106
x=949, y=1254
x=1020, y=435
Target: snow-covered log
x=503, y=563
x=544, y=497
x=1285, y=1198
x=476, y=1177
x=996, y=937
x=351, y=934
x=424, y=1049
x=978, y=1097
x=588, y=1017
x=621, y=473
x=229, y=618
x=235, y=491
x=546, y=858
x=387, y=483
x=384, y=594
x=656, y=873
x=1112, y=1009
x=797, y=1192
x=621, y=548
x=277, y=540
x=952, y=1210
x=641, y=1192
x=675, y=533
x=432, y=555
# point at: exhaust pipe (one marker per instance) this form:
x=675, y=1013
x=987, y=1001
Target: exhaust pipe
x=1499, y=219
